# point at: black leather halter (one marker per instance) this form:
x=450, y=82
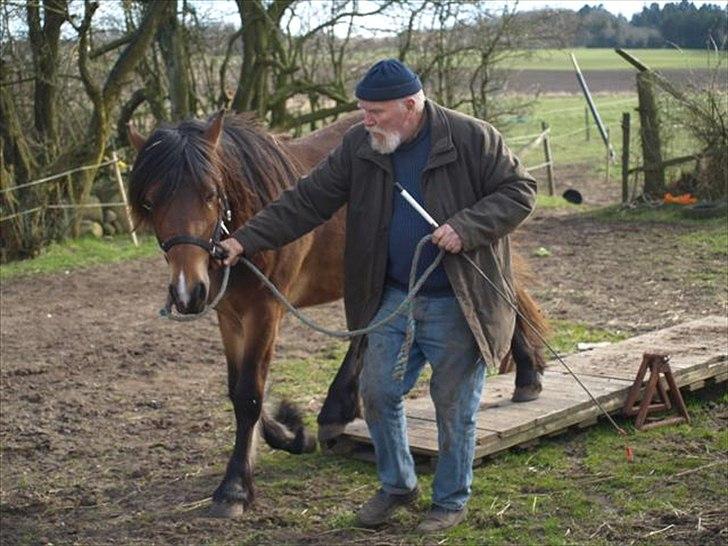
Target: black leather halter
x=211, y=245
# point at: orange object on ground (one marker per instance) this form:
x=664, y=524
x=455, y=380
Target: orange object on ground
x=684, y=199
x=629, y=453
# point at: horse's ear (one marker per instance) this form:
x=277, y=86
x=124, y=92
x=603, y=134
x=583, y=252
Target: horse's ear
x=214, y=130
x=135, y=139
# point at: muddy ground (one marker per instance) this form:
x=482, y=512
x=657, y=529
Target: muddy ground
x=103, y=403
x=599, y=81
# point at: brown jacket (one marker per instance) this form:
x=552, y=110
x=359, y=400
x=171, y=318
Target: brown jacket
x=471, y=181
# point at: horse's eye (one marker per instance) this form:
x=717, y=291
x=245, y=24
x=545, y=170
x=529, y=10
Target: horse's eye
x=210, y=197
x=146, y=205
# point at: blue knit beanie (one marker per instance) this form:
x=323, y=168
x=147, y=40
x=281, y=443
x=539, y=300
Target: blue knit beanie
x=388, y=79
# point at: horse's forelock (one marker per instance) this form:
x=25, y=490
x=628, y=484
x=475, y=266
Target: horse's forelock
x=172, y=157
x=250, y=165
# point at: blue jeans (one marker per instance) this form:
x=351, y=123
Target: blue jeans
x=443, y=338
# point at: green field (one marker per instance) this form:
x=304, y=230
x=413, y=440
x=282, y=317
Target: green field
x=78, y=253
x=571, y=142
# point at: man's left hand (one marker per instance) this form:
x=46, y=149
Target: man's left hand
x=447, y=239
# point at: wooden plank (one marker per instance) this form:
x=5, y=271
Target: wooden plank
x=505, y=417
x=697, y=350
x=692, y=344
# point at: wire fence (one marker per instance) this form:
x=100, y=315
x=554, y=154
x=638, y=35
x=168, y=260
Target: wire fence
x=114, y=161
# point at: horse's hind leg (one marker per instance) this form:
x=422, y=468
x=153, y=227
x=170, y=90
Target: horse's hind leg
x=342, y=400
x=528, y=382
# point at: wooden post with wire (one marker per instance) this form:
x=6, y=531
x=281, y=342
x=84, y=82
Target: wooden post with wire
x=626, y=122
x=122, y=191
x=549, y=160
x=650, y=131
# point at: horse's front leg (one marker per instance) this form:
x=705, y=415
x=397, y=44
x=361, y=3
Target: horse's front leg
x=248, y=359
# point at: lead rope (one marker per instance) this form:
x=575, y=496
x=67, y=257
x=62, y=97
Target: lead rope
x=414, y=286
x=166, y=311
x=546, y=344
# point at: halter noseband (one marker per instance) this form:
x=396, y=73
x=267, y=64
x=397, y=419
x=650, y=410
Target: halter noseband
x=211, y=245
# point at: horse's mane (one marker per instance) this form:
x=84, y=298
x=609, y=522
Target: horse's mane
x=252, y=167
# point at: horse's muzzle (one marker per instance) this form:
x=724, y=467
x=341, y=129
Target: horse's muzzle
x=192, y=303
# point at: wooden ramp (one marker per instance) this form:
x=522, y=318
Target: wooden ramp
x=698, y=354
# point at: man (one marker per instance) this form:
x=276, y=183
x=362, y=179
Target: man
x=459, y=169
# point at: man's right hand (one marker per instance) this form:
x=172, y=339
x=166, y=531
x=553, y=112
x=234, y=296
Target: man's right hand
x=233, y=251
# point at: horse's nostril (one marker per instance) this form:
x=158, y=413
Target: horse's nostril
x=175, y=297
x=199, y=294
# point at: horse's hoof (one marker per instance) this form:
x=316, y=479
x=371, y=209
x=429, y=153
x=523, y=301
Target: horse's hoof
x=330, y=431
x=226, y=510
x=527, y=393
x=304, y=442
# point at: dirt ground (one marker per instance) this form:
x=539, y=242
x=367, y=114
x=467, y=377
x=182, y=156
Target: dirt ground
x=103, y=403
x=599, y=81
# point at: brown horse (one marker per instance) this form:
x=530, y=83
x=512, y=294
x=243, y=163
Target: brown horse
x=184, y=179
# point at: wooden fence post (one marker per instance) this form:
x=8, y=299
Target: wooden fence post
x=650, y=132
x=625, y=156
x=549, y=161
x=122, y=190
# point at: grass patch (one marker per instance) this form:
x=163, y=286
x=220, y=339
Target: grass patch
x=566, y=335
x=78, y=253
x=562, y=492
x=713, y=240
x=664, y=214
x=553, y=202
x=565, y=117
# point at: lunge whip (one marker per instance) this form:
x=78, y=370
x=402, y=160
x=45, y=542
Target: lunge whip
x=430, y=220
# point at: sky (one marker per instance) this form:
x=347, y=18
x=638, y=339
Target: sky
x=226, y=10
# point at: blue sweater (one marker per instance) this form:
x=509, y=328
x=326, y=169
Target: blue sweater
x=407, y=227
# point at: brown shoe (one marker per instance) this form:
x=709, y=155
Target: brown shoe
x=378, y=509
x=438, y=519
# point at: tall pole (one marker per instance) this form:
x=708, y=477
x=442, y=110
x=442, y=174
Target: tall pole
x=547, y=154
x=592, y=107
x=586, y=122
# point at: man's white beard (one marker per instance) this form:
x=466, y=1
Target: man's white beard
x=385, y=142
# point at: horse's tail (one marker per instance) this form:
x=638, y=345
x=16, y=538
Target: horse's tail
x=536, y=326
x=530, y=331
x=285, y=429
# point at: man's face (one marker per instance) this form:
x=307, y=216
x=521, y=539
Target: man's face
x=385, y=121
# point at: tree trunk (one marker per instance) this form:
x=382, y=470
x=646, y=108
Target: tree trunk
x=17, y=156
x=171, y=42
x=44, y=40
x=105, y=99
